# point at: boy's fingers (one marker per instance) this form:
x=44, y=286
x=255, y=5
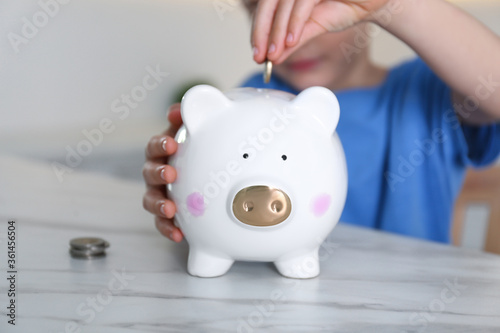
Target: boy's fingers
x=167, y=228
x=172, y=131
x=279, y=29
x=261, y=28
x=158, y=174
x=174, y=115
x=154, y=201
x=300, y=14
x=160, y=146
x=310, y=31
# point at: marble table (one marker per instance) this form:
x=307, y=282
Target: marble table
x=370, y=281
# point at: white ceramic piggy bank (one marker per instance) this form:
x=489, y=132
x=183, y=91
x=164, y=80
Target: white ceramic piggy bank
x=261, y=176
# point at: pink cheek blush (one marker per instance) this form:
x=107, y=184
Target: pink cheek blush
x=321, y=204
x=195, y=204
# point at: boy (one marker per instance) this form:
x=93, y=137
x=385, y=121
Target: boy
x=408, y=133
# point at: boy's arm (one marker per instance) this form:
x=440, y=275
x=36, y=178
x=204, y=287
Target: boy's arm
x=460, y=50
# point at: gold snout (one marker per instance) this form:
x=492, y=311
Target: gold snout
x=261, y=206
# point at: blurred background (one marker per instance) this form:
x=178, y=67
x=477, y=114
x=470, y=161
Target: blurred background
x=85, y=84
x=61, y=74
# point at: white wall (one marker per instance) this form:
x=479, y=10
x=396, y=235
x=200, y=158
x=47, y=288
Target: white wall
x=65, y=79
x=91, y=52
x=388, y=50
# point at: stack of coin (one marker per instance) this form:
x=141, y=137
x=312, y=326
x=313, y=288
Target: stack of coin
x=88, y=247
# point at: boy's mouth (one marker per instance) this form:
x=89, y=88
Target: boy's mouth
x=303, y=64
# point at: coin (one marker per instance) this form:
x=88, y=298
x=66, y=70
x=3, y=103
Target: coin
x=268, y=69
x=86, y=254
x=88, y=247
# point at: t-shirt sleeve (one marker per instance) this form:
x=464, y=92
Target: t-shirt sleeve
x=474, y=146
x=482, y=144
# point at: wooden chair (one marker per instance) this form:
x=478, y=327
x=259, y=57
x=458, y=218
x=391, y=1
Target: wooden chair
x=480, y=187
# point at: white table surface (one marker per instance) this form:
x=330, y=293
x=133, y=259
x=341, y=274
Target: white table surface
x=370, y=281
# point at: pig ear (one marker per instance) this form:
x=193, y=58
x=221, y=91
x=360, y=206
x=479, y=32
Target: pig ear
x=320, y=104
x=201, y=103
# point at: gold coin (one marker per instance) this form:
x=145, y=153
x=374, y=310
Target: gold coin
x=268, y=69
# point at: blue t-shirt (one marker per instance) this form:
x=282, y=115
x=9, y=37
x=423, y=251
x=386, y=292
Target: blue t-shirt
x=406, y=151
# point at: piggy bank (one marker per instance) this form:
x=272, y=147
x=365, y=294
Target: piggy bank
x=261, y=176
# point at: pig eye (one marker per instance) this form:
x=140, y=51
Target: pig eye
x=283, y=157
x=245, y=155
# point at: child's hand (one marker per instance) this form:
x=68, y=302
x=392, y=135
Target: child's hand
x=157, y=174
x=281, y=26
